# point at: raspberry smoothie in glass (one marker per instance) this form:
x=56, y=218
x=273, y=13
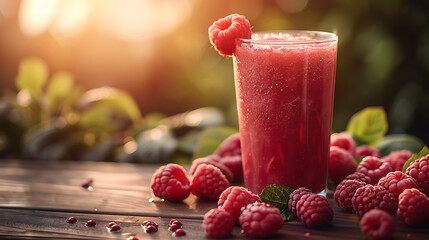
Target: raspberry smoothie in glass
x=285, y=90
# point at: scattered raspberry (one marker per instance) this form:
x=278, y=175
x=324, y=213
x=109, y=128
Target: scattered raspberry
x=344, y=141
x=361, y=177
x=260, y=220
x=396, y=182
x=295, y=196
x=225, y=31
x=234, y=198
x=366, y=150
x=369, y=197
x=175, y=222
x=413, y=207
x=344, y=193
x=341, y=164
x=149, y=226
x=87, y=183
x=235, y=164
x=208, y=182
x=90, y=223
x=148, y=223
x=314, y=210
x=377, y=224
x=170, y=183
x=174, y=225
x=419, y=170
x=71, y=220
x=115, y=228
x=218, y=223
x=397, y=159
x=179, y=232
x=215, y=162
x=230, y=146
x=374, y=168
x=110, y=224
x=132, y=238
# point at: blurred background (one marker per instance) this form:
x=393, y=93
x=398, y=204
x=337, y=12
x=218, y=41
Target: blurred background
x=156, y=59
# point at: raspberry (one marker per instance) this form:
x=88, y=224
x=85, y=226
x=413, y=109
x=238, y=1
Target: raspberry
x=361, y=177
x=396, y=182
x=170, y=183
x=218, y=223
x=369, y=197
x=365, y=151
x=374, y=168
x=90, y=223
x=413, y=207
x=234, y=198
x=225, y=31
x=344, y=141
x=397, y=159
x=115, y=228
x=71, y=220
x=260, y=220
x=295, y=196
x=314, y=210
x=344, y=193
x=341, y=164
x=230, y=146
x=208, y=182
x=110, y=224
x=215, y=162
x=419, y=170
x=235, y=164
x=179, y=232
x=377, y=224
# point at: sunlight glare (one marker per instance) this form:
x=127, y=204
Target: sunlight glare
x=71, y=18
x=35, y=16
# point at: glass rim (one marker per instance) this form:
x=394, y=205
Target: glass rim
x=314, y=37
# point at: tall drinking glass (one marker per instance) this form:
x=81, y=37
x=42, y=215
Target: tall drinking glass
x=284, y=85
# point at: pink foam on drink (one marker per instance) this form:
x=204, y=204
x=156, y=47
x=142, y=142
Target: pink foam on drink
x=285, y=99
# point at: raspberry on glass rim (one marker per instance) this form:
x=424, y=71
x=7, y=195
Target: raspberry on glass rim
x=225, y=31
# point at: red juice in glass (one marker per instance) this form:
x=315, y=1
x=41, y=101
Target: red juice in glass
x=285, y=90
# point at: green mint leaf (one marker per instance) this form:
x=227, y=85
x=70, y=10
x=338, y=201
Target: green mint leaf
x=396, y=142
x=423, y=152
x=368, y=125
x=278, y=196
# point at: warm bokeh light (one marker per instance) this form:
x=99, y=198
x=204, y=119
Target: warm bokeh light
x=129, y=20
x=158, y=51
x=35, y=16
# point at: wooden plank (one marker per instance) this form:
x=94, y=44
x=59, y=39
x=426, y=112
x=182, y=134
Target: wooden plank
x=37, y=197
x=52, y=225
x=118, y=189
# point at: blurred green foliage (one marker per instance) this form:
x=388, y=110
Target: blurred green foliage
x=52, y=119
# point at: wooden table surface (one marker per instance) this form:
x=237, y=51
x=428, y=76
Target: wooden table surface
x=36, y=198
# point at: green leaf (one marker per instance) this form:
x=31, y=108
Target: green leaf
x=210, y=138
x=60, y=87
x=396, y=142
x=113, y=98
x=32, y=76
x=423, y=152
x=278, y=196
x=369, y=125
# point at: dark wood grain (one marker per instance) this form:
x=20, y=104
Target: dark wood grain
x=36, y=198
x=118, y=189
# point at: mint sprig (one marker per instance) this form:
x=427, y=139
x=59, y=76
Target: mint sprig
x=423, y=152
x=278, y=196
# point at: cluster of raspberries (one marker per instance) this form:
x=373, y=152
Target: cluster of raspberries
x=376, y=189
x=237, y=205
x=210, y=175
